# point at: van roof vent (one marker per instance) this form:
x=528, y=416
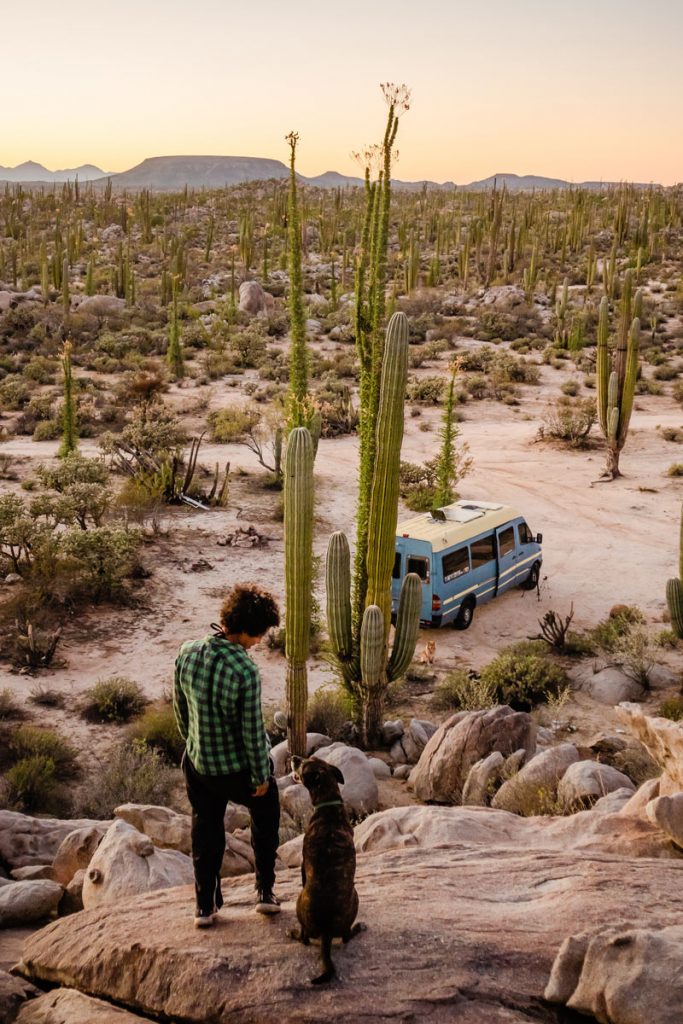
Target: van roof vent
x=455, y=514
x=485, y=506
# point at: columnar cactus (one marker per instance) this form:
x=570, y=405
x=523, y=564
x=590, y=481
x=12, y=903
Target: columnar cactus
x=298, y=501
x=69, y=430
x=362, y=655
x=616, y=378
x=674, y=591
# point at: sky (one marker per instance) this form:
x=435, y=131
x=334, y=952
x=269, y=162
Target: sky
x=579, y=90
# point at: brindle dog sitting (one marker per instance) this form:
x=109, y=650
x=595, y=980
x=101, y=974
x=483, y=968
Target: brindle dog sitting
x=328, y=903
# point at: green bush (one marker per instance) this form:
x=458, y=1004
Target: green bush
x=31, y=741
x=114, y=700
x=522, y=681
x=103, y=558
x=459, y=691
x=46, y=430
x=328, y=711
x=232, y=423
x=607, y=633
x=158, y=729
x=672, y=709
x=133, y=773
x=31, y=785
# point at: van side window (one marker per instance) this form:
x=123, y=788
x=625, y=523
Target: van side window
x=482, y=551
x=420, y=566
x=455, y=563
x=525, y=535
x=396, y=574
x=506, y=540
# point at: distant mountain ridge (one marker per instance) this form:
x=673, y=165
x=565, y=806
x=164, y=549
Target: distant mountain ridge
x=175, y=172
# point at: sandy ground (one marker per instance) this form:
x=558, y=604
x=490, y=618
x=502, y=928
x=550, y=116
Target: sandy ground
x=603, y=544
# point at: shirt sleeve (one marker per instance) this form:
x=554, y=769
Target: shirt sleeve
x=253, y=730
x=180, y=703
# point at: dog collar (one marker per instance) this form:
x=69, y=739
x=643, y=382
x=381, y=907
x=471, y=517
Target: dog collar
x=329, y=803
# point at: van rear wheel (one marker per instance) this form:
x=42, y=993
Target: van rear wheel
x=531, y=582
x=463, y=619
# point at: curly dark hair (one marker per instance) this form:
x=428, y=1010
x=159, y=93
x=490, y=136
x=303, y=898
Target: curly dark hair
x=249, y=609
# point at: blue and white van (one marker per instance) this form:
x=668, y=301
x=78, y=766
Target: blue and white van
x=465, y=554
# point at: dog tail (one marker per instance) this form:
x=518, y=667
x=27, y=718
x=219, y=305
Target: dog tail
x=326, y=954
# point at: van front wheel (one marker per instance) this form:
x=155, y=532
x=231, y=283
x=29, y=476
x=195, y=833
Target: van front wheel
x=531, y=582
x=463, y=620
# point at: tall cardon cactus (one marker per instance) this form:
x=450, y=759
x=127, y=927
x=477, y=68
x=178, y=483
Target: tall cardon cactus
x=617, y=373
x=363, y=660
x=674, y=591
x=298, y=502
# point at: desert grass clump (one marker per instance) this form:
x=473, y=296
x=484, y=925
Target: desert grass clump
x=10, y=708
x=133, y=773
x=116, y=699
x=157, y=727
x=31, y=786
x=46, y=696
x=463, y=691
x=30, y=741
x=329, y=710
x=671, y=709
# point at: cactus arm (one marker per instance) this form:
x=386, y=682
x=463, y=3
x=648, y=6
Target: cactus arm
x=338, y=589
x=385, y=481
x=603, y=363
x=372, y=648
x=298, y=579
x=674, y=600
x=407, y=626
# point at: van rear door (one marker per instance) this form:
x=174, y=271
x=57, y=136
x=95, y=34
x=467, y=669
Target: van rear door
x=507, y=557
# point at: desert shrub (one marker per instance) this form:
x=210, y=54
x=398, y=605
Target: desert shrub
x=31, y=785
x=675, y=469
x=523, y=681
x=672, y=709
x=40, y=369
x=426, y=390
x=666, y=638
x=157, y=728
x=248, y=345
x=14, y=393
x=621, y=618
x=677, y=391
x=570, y=388
x=218, y=364
x=10, y=708
x=674, y=434
x=103, y=558
x=232, y=423
x=665, y=373
x=635, y=653
x=461, y=691
x=133, y=773
x=46, y=697
x=47, y=430
x=116, y=699
x=30, y=741
x=329, y=709
x=570, y=422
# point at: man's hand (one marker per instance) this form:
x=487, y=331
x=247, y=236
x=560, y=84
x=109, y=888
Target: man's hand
x=262, y=789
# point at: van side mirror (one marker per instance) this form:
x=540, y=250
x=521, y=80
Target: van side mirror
x=539, y=538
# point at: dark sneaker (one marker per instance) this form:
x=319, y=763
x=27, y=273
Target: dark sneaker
x=202, y=919
x=267, y=903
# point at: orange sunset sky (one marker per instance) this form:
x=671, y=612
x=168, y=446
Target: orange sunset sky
x=579, y=90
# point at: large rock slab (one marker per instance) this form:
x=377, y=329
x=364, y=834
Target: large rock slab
x=663, y=740
x=434, y=949
x=24, y=902
x=461, y=741
x=280, y=752
x=534, y=789
x=253, y=299
x=666, y=812
x=127, y=862
x=622, y=975
x=25, y=840
x=67, y=1006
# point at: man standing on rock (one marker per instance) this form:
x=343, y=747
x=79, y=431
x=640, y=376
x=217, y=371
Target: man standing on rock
x=217, y=704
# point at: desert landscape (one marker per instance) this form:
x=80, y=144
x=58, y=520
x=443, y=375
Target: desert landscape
x=516, y=786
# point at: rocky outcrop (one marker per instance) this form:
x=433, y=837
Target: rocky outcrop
x=127, y=862
x=663, y=740
x=584, y=782
x=666, y=812
x=465, y=908
x=67, y=1006
x=26, y=840
x=622, y=975
x=460, y=742
x=24, y=902
x=75, y=852
x=534, y=789
x=280, y=752
x=253, y=299
x=359, y=792
x=482, y=780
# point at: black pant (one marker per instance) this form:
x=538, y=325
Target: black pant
x=209, y=795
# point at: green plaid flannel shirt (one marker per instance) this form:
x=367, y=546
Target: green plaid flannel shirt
x=217, y=704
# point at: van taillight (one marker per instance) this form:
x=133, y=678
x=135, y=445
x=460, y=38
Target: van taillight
x=436, y=604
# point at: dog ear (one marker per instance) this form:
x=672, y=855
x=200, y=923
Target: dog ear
x=337, y=774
